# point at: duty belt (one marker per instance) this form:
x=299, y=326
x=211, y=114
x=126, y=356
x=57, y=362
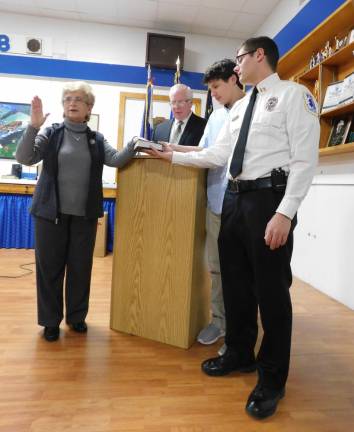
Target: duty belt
x=249, y=185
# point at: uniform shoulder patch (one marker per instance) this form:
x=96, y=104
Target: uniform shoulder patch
x=310, y=103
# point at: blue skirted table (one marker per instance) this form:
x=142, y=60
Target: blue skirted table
x=16, y=223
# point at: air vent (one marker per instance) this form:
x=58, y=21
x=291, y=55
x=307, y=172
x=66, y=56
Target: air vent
x=34, y=45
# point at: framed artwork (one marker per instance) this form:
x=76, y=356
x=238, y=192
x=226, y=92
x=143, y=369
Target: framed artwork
x=339, y=132
x=94, y=122
x=14, y=118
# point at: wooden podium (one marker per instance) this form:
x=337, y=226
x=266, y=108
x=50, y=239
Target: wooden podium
x=160, y=284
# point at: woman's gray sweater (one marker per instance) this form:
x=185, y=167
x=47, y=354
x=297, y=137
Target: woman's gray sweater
x=74, y=162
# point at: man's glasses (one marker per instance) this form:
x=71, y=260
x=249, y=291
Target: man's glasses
x=239, y=58
x=68, y=99
x=179, y=103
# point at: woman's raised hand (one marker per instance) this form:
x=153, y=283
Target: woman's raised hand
x=37, y=117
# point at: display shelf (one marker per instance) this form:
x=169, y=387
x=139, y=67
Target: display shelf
x=344, y=55
x=339, y=110
x=299, y=56
x=336, y=150
x=295, y=65
x=309, y=75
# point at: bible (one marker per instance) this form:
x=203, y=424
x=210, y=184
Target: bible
x=142, y=143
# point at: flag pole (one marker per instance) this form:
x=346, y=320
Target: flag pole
x=178, y=71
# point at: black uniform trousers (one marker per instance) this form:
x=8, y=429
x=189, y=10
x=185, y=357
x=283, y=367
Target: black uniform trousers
x=64, y=247
x=253, y=276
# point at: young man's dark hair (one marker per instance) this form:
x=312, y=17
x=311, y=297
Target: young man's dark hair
x=269, y=46
x=222, y=69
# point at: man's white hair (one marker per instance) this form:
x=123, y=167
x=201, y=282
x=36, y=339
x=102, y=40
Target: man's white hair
x=183, y=87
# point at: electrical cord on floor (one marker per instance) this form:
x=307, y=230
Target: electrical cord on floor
x=23, y=267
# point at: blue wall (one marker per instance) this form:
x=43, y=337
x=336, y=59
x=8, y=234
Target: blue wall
x=305, y=21
x=20, y=65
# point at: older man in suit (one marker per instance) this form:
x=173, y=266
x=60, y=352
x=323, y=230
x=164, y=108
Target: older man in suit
x=186, y=128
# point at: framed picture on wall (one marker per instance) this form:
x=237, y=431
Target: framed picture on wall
x=94, y=121
x=339, y=132
x=14, y=118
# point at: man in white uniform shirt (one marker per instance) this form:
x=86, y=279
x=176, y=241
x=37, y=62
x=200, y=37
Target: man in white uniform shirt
x=268, y=179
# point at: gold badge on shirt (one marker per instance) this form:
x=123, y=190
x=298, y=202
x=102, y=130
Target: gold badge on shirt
x=271, y=103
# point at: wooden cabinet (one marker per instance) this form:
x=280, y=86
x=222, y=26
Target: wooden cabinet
x=295, y=65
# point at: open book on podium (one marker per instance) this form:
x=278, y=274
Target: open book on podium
x=142, y=143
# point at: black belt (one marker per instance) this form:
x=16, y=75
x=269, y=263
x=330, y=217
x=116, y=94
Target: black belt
x=249, y=185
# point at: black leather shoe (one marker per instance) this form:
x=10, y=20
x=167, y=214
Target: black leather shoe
x=263, y=402
x=225, y=364
x=51, y=334
x=80, y=327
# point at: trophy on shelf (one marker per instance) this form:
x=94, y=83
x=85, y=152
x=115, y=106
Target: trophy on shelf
x=318, y=57
x=312, y=61
x=315, y=59
x=316, y=91
x=340, y=43
x=327, y=51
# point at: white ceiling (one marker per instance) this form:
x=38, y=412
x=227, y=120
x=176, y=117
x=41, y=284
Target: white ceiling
x=225, y=18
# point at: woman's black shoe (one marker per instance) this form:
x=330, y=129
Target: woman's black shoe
x=51, y=334
x=80, y=327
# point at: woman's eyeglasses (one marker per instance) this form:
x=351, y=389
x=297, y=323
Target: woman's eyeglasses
x=68, y=99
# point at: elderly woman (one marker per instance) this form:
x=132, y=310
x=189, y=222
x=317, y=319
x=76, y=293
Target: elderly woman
x=67, y=202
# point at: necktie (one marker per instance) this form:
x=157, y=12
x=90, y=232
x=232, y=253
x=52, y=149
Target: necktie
x=239, y=152
x=177, y=132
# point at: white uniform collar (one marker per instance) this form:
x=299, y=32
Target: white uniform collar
x=268, y=82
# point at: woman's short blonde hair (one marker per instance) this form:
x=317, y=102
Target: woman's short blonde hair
x=81, y=86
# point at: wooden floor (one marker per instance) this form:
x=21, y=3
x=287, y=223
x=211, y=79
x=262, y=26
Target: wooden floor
x=107, y=381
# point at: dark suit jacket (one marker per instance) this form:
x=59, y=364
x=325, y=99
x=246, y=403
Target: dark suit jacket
x=191, y=135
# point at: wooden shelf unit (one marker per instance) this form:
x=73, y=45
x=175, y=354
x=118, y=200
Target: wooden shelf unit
x=294, y=65
x=339, y=110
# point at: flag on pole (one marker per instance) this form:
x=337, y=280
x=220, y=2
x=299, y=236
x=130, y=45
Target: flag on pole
x=147, y=123
x=208, y=106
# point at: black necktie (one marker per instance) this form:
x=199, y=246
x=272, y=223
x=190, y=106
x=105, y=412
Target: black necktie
x=239, y=152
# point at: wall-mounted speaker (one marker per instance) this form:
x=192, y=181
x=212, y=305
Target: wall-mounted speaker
x=162, y=50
